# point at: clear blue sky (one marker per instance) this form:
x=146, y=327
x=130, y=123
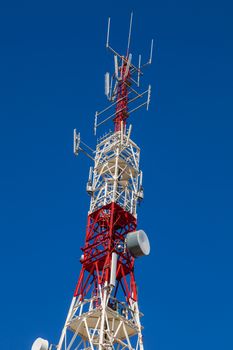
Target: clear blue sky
x=52, y=63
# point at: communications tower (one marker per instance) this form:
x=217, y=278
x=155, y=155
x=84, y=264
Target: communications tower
x=104, y=312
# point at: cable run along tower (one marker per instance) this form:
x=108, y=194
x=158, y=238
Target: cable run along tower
x=104, y=312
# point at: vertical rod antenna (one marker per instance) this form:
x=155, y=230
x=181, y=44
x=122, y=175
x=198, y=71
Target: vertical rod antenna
x=108, y=32
x=148, y=97
x=110, y=91
x=151, y=51
x=116, y=66
x=74, y=143
x=95, y=123
x=139, y=67
x=129, y=37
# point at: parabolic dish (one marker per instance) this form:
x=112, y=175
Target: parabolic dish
x=40, y=344
x=138, y=243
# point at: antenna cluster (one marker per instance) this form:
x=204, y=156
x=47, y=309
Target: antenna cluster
x=122, y=87
x=80, y=146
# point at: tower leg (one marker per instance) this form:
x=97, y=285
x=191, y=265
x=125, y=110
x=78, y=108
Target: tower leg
x=63, y=333
x=103, y=321
x=137, y=318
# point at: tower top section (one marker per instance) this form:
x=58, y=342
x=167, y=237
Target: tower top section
x=122, y=87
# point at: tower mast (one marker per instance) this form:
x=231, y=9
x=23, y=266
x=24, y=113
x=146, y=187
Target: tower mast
x=104, y=312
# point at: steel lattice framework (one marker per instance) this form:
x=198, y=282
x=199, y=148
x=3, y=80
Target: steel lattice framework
x=116, y=172
x=104, y=312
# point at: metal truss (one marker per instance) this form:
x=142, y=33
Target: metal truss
x=104, y=312
x=110, y=325
x=116, y=176
x=106, y=232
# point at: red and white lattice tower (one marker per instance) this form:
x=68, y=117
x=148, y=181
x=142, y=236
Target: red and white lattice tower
x=104, y=312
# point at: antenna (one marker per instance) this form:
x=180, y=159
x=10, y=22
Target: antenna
x=122, y=90
x=151, y=51
x=108, y=32
x=76, y=143
x=129, y=36
x=128, y=65
x=107, y=84
x=84, y=149
x=110, y=92
x=139, y=67
x=148, y=97
x=116, y=66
